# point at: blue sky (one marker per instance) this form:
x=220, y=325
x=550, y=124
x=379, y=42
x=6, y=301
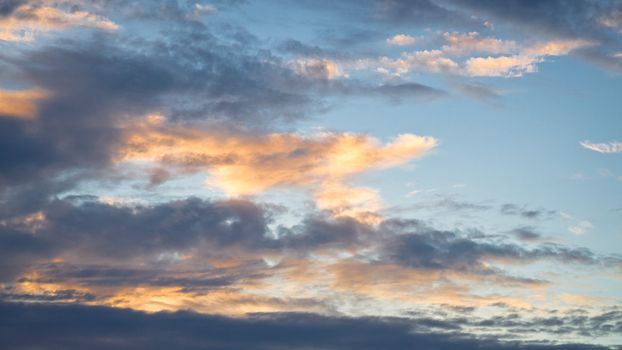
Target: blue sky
x=409, y=174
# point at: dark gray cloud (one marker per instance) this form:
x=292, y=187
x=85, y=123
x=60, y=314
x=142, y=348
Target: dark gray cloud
x=527, y=213
x=158, y=275
x=527, y=234
x=549, y=17
x=421, y=246
x=10, y=294
x=578, y=322
x=121, y=238
x=84, y=327
x=116, y=233
x=8, y=6
x=452, y=204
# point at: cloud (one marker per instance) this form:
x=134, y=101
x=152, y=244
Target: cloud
x=611, y=147
x=511, y=59
x=557, y=47
x=465, y=43
x=580, y=20
x=580, y=228
x=513, y=209
x=8, y=6
x=502, y=66
x=316, y=68
x=98, y=327
x=526, y=234
x=524, y=62
x=19, y=103
x=401, y=40
x=420, y=246
x=249, y=164
x=22, y=21
x=216, y=254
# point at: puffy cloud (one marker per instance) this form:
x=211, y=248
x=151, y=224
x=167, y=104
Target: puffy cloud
x=401, y=40
x=502, y=66
x=424, y=60
x=611, y=147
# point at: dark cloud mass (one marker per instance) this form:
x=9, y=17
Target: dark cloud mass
x=83, y=327
x=8, y=6
x=115, y=233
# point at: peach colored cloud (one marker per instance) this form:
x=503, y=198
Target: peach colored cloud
x=401, y=40
x=27, y=20
x=507, y=58
x=465, y=43
x=20, y=103
x=244, y=164
x=502, y=66
x=523, y=62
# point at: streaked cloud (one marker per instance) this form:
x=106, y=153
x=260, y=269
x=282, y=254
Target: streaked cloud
x=27, y=19
x=247, y=164
x=611, y=147
x=465, y=43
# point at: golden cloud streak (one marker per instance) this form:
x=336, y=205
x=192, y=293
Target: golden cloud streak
x=29, y=19
x=243, y=164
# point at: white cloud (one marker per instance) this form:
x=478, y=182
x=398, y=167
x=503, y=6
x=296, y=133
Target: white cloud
x=611, y=147
x=580, y=228
x=577, y=226
x=205, y=8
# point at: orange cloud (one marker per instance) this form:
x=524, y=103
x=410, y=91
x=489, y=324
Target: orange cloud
x=30, y=19
x=244, y=164
x=19, y=103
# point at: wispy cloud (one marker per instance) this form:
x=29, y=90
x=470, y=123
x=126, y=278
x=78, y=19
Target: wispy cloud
x=26, y=20
x=610, y=147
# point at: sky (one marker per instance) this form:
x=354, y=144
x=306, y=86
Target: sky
x=369, y=174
